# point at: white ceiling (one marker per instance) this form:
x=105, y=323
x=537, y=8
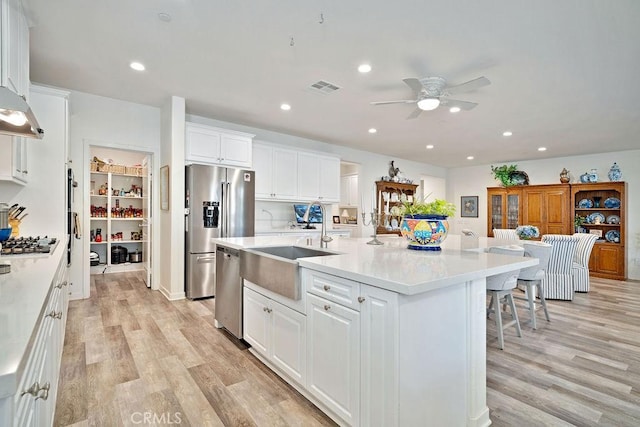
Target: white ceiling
x=564, y=73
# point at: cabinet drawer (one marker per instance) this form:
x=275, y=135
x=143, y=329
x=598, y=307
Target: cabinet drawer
x=336, y=289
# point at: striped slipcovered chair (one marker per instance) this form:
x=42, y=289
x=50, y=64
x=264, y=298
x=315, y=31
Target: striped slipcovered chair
x=558, y=282
x=505, y=234
x=580, y=268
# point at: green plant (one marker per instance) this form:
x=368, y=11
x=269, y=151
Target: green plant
x=437, y=207
x=503, y=173
x=579, y=220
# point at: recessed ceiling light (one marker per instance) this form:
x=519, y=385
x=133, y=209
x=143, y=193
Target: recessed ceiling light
x=373, y=130
x=469, y=157
x=507, y=133
x=542, y=148
x=364, y=68
x=429, y=147
x=454, y=109
x=165, y=17
x=285, y=107
x=137, y=66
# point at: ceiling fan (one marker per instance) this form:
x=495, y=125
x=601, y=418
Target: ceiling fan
x=431, y=92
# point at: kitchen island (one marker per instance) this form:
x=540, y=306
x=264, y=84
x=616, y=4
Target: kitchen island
x=382, y=335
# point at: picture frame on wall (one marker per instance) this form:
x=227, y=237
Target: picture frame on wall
x=469, y=206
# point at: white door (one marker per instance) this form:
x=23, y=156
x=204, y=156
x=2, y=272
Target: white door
x=288, y=350
x=256, y=321
x=147, y=217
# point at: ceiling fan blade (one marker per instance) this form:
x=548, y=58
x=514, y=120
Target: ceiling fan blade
x=469, y=86
x=414, y=84
x=414, y=114
x=405, y=101
x=464, y=105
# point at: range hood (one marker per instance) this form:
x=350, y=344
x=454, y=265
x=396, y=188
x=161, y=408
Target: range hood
x=16, y=117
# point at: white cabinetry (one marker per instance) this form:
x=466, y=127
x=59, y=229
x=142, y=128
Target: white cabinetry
x=13, y=165
x=119, y=218
x=318, y=177
x=276, y=332
x=352, y=348
x=276, y=172
x=333, y=354
x=349, y=191
x=35, y=401
x=210, y=145
x=14, y=47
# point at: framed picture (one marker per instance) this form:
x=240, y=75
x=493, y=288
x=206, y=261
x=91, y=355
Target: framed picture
x=469, y=206
x=164, y=188
x=336, y=219
x=596, y=232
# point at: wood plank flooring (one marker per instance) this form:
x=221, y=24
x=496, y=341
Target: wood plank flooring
x=133, y=358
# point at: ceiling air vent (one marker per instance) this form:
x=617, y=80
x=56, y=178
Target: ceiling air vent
x=324, y=87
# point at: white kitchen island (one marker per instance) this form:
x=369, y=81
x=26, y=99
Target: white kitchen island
x=382, y=335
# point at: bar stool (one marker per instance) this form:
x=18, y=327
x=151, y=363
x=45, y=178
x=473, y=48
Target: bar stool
x=531, y=278
x=500, y=287
x=505, y=234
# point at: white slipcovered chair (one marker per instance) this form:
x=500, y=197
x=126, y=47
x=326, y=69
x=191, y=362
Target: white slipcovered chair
x=500, y=288
x=580, y=268
x=531, y=278
x=505, y=234
x=558, y=282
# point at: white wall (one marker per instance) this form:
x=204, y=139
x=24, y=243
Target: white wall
x=100, y=121
x=473, y=181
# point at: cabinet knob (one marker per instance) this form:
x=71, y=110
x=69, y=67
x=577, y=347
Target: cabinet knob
x=45, y=391
x=360, y=300
x=267, y=309
x=55, y=315
x=33, y=390
x=25, y=172
x=326, y=288
x=60, y=285
x=327, y=307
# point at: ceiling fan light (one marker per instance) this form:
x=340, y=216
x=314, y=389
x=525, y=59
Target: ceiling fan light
x=428, y=104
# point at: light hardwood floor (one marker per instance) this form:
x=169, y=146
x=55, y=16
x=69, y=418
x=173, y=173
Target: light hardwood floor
x=133, y=358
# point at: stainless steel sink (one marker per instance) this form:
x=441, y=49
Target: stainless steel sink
x=276, y=267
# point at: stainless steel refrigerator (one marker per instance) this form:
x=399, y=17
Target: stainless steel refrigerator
x=219, y=202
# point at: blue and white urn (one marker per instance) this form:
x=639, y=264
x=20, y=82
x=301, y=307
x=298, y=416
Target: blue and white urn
x=615, y=174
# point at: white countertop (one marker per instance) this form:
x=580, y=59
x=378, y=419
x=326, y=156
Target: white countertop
x=298, y=230
x=394, y=267
x=22, y=295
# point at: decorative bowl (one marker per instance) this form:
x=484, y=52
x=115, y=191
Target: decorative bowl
x=5, y=233
x=424, y=232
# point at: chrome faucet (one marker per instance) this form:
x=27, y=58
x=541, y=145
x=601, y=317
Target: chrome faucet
x=324, y=239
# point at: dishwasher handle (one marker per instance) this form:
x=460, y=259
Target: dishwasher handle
x=227, y=252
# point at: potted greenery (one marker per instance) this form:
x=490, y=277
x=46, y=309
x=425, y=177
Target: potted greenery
x=577, y=222
x=504, y=174
x=425, y=224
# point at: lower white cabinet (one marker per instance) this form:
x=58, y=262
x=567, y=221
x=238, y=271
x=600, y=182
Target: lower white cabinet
x=35, y=401
x=333, y=354
x=276, y=332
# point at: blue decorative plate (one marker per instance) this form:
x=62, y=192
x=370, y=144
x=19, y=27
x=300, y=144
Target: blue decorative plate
x=585, y=203
x=591, y=219
x=613, y=219
x=612, y=203
x=612, y=236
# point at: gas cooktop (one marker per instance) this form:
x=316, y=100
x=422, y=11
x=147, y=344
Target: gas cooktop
x=29, y=246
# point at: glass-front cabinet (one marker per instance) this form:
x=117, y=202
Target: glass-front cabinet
x=600, y=209
x=503, y=208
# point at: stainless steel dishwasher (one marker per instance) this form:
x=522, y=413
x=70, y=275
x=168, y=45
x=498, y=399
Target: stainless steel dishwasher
x=228, y=300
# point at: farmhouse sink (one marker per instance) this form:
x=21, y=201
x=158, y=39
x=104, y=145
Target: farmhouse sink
x=276, y=267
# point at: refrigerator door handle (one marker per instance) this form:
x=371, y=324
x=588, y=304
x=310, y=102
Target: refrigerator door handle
x=202, y=259
x=227, y=216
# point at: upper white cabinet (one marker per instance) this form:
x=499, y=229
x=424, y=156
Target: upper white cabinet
x=13, y=167
x=215, y=146
x=276, y=172
x=286, y=174
x=349, y=190
x=318, y=177
x=14, y=47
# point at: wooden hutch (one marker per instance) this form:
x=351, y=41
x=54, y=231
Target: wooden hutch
x=388, y=195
